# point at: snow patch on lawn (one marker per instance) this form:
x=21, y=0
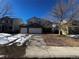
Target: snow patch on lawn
x=20, y=38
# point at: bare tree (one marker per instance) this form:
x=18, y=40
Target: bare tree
x=4, y=8
x=62, y=11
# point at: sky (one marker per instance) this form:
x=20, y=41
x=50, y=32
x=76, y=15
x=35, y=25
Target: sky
x=26, y=9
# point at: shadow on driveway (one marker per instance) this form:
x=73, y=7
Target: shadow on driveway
x=13, y=51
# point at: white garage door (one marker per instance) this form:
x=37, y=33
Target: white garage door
x=35, y=30
x=23, y=30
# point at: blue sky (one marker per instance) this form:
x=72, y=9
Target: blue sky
x=26, y=9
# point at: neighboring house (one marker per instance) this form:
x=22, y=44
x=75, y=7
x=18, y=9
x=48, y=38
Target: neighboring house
x=34, y=20
x=7, y=24
x=70, y=27
x=31, y=29
x=46, y=24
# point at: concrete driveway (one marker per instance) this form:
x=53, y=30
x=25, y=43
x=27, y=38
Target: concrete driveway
x=52, y=52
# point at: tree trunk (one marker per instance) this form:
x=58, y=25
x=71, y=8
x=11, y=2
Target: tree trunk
x=59, y=32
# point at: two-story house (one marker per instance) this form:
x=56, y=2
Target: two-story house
x=8, y=24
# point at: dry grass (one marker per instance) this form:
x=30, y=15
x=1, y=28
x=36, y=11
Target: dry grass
x=55, y=40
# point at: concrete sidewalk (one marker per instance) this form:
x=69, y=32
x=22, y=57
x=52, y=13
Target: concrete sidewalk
x=51, y=52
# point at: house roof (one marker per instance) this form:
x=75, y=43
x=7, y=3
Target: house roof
x=23, y=25
x=34, y=25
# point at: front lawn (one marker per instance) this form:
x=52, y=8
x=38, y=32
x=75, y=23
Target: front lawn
x=56, y=40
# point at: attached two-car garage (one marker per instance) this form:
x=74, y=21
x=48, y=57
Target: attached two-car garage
x=35, y=30
x=23, y=30
x=31, y=30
